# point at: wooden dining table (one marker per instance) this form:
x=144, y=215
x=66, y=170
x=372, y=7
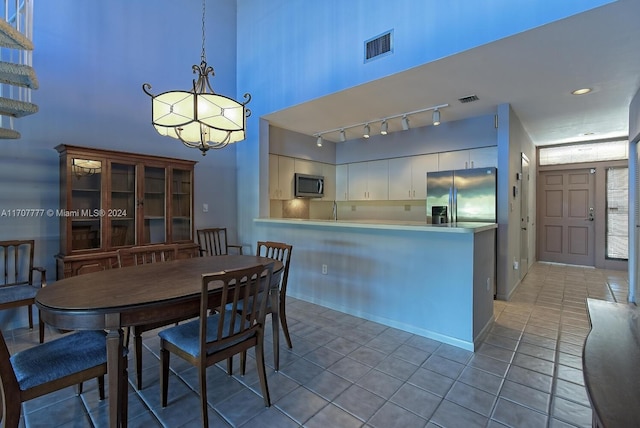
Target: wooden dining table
x=136, y=295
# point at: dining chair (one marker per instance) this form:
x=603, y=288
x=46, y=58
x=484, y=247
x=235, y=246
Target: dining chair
x=17, y=285
x=281, y=252
x=66, y=361
x=213, y=242
x=140, y=255
x=219, y=335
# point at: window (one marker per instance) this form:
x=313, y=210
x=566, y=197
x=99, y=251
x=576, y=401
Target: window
x=617, y=213
x=589, y=152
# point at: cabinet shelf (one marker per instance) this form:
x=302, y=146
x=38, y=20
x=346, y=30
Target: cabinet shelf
x=132, y=204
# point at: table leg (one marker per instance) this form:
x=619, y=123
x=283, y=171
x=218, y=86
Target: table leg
x=275, y=326
x=115, y=370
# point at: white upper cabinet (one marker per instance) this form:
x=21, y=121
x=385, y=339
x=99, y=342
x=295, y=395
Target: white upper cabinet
x=465, y=159
x=281, y=170
x=329, y=174
x=407, y=176
x=303, y=166
x=369, y=180
x=342, y=182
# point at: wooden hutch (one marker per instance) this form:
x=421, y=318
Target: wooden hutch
x=111, y=200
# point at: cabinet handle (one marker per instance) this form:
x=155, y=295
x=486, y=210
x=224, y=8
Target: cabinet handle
x=466, y=165
x=414, y=193
x=471, y=164
x=409, y=193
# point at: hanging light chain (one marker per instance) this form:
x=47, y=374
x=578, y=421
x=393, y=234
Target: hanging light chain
x=203, y=57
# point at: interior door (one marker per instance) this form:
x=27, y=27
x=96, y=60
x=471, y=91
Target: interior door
x=567, y=217
x=525, y=219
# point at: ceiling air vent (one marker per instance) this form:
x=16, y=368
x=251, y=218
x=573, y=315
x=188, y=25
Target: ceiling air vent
x=468, y=99
x=378, y=46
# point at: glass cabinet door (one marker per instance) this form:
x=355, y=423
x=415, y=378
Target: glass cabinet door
x=123, y=205
x=181, y=205
x=86, y=203
x=154, y=205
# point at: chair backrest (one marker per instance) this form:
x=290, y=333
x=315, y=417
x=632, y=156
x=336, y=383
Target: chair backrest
x=17, y=262
x=237, y=322
x=281, y=252
x=9, y=388
x=145, y=254
x=95, y=263
x=213, y=241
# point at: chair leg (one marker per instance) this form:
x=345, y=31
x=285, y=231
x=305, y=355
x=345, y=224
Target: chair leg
x=41, y=328
x=283, y=321
x=124, y=395
x=100, y=387
x=262, y=373
x=230, y=366
x=79, y=388
x=276, y=340
x=30, y=308
x=137, y=342
x=164, y=375
x=243, y=362
x=203, y=396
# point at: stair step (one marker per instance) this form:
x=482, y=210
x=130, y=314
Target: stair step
x=9, y=134
x=15, y=108
x=12, y=38
x=18, y=75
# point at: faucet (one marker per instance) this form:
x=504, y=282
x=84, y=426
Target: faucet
x=335, y=211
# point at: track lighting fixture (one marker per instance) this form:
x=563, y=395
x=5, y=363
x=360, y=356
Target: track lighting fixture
x=384, y=127
x=319, y=141
x=384, y=124
x=405, y=123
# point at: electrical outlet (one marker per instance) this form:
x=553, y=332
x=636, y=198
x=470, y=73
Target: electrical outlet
x=205, y=208
x=324, y=269
x=488, y=284
x=516, y=265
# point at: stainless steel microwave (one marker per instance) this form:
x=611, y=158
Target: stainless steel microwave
x=308, y=186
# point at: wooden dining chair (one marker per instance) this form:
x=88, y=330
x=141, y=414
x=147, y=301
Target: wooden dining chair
x=219, y=335
x=140, y=255
x=66, y=361
x=17, y=284
x=281, y=252
x=213, y=242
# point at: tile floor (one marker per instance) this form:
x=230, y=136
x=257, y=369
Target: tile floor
x=346, y=372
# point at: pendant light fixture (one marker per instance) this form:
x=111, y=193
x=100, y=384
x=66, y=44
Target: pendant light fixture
x=199, y=118
x=319, y=141
x=384, y=127
x=367, y=131
x=405, y=123
x=436, y=117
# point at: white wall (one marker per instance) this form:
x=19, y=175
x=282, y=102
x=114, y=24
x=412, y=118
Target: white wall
x=634, y=197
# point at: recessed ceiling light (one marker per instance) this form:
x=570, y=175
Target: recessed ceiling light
x=581, y=91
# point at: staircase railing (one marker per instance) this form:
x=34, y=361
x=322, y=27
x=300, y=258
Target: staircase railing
x=18, y=14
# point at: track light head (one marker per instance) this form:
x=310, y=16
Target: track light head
x=343, y=136
x=405, y=123
x=367, y=131
x=384, y=127
x=319, y=141
x=436, y=117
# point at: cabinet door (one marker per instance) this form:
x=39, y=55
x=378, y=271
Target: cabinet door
x=453, y=160
x=400, y=178
x=420, y=165
x=122, y=218
x=329, y=173
x=378, y=180
x=286, y=169
x=342, y=182
x=154, y=205
x=483, y=157
x=303, y=166
x=182, y=203
x=358, y=181
x=86, y=204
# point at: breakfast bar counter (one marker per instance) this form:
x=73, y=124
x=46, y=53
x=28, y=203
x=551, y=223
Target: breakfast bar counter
x=437, y=281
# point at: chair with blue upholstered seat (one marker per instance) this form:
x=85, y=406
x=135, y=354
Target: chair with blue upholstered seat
x=69, y=360
x=219, y=335
x=17, y=285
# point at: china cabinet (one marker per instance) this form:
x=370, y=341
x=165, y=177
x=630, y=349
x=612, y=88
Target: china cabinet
x=111, y=200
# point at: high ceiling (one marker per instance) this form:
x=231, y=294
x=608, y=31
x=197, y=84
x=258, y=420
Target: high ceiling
x=534, y=71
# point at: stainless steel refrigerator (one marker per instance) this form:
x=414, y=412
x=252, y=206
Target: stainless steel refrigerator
x=466, y=195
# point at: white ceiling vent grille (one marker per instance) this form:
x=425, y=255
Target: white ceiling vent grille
x=468, y=99
x=378, y=46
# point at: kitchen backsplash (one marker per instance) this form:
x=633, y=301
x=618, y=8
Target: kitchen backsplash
x=308, y=209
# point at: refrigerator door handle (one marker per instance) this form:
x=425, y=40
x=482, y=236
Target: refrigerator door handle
x=454, y=210
x=450, y=206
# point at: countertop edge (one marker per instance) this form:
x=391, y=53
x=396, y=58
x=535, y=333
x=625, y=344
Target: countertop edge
x=383, y=225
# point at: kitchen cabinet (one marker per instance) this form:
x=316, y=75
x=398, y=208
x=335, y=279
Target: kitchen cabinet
x=342, y=182
x=329, y=174
x=407, y=176
x=110, y=200
x=281, y=170
x=369, y=180
x=465, y=159
x=303, y=166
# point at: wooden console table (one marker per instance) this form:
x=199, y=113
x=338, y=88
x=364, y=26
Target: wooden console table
x=610, y=363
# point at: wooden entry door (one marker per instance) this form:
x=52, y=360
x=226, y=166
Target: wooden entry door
x=567, y=216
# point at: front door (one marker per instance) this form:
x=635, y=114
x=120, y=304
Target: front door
x=566, y=232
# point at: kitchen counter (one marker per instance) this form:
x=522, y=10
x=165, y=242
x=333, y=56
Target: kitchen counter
x=466, y=227
x=433, y=280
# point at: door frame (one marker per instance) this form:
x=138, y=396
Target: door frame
x=601, y=262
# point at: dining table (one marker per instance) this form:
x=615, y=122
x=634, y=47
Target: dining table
x=114, y=299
